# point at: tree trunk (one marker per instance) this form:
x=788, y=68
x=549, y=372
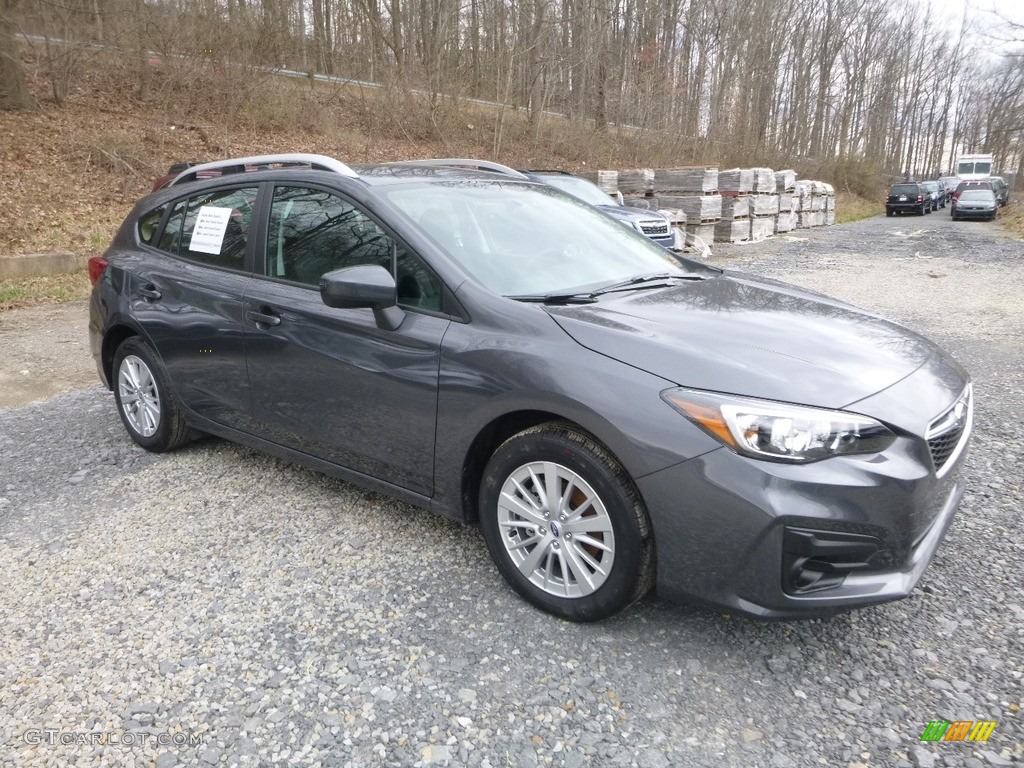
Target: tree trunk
x=13, y=88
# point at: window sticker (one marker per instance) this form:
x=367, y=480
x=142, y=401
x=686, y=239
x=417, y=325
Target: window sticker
x=208, y=233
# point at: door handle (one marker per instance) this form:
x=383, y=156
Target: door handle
x=265, y=316
x=149, y=291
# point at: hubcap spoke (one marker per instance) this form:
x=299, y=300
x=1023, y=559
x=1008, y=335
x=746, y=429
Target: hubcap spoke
x=516, y=505
x=580, y=572
x=532, y=559
x=582, y=525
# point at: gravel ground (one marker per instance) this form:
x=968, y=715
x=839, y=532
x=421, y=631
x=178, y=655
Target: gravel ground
x=220, y=607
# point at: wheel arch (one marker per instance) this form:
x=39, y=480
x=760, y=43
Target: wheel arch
x=112, y=339
x=496, y=432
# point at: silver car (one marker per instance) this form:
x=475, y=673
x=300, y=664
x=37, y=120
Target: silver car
x=975, y=203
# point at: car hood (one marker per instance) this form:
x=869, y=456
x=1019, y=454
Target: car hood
x=625, y=213
x=737, y=334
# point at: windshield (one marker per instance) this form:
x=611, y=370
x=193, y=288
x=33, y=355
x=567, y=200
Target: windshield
x=977, y=194
x=521, y=239
x=983, y=168
x=581, y=188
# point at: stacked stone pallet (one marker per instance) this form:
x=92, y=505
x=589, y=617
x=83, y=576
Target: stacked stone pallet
x=764, y=212
x=811, y=209
x=637, y=181
x=637, y=188
x=785, y=182
x=736, y=205
x=736, y=181
x=608, y=181
x=830, y=204
x=786, y=220
x=695, y=181
x=764, y=205
x=785, y=188
x=690, y=195
x=735, y=224
x=764, y=180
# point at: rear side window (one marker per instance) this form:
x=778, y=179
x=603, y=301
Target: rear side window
x=212, y=228
x=149, y=225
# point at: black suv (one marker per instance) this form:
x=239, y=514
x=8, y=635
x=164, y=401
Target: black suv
x=909, y=197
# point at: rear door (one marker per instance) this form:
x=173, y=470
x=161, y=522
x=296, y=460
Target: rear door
x=330, y=382
x=186, y=293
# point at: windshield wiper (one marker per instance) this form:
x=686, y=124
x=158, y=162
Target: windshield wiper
x=644, y=281
x=556, y=298
x=589, y=297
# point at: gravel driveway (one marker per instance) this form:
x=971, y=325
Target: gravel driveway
x=219, y=607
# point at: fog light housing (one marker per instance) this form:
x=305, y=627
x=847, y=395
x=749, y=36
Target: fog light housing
x=813, y=560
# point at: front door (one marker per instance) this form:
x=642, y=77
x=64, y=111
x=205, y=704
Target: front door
x=330, y=382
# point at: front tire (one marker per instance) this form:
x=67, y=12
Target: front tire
x=146, y=402
x=565, y=524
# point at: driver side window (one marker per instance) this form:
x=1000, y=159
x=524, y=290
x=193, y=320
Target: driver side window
x=313, y=232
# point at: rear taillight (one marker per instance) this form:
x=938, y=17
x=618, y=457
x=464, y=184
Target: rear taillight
x=97, y=265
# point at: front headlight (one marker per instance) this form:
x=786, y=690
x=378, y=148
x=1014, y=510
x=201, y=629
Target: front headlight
x=765, y=429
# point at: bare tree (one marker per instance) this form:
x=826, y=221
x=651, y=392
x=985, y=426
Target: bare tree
x=13, y=88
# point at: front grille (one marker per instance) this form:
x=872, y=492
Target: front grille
x=942, y=447
x=945, y=433
x=654, y=228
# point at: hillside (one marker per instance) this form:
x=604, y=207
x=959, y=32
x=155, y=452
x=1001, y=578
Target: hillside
x=72, y=172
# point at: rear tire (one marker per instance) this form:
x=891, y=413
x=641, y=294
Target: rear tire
x=565, y=525
x=145, y=399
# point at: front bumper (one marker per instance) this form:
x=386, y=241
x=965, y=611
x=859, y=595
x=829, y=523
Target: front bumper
x=725, y=528
x=974, y=213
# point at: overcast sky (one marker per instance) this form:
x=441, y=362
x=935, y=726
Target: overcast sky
x=985, y=15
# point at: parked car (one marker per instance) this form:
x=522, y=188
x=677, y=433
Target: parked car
x=969, y=184
x=166, y=178
x=975, y=203
x=935, y=194
x=909, y=197
x=614, y=415
x=1001, y=190
x=651, y=223
x=949, y=183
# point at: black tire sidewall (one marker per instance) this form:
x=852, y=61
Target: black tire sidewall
x=619, y=590
x=160, y=440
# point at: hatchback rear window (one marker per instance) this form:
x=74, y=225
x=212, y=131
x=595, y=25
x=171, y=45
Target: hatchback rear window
x=905, y=189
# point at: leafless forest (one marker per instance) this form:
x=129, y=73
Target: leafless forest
x=867, y=83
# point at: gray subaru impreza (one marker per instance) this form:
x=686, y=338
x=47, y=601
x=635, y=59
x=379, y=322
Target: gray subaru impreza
x=615, y=416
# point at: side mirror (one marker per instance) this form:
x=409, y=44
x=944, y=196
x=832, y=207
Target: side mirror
x=365, y=286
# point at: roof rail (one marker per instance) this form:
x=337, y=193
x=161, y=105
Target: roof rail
x=316, y=162
x=480, y=165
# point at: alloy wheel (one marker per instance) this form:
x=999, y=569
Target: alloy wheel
x=556, y=530
x=139, y=396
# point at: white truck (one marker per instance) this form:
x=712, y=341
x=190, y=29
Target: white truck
x=974, y=167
